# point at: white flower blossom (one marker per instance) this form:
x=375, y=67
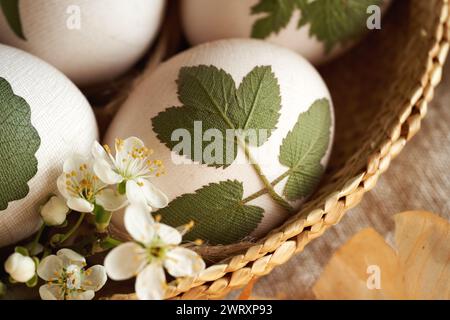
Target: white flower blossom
x=67, y=279
x=156, y=247
x=83, y=189
x=54, y=212
x=21, y=268
x=132, y=167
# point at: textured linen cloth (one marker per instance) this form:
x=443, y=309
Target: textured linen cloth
x=419, y=179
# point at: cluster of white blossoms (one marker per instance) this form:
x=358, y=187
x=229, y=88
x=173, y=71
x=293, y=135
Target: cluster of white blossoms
x=102, y=184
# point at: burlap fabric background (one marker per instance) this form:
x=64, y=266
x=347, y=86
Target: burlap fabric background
x=418, y=179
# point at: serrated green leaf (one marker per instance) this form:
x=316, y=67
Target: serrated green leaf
x=209, y=96
x=11, y=11
x=331, y=21
x=218, y=212
x=335, y=21
x=19, y=142
x=303, y=149
x=259, y=101
x=278, y=13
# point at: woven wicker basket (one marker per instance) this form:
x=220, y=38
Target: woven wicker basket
x=381, y=90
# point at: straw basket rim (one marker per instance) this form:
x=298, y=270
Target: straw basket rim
x=282, y=243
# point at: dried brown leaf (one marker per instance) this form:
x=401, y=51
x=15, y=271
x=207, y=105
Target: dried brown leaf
x=418, y=269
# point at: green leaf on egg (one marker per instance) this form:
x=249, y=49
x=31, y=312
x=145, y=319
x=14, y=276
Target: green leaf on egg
x=331, y=21
x=278, y=13
x=11, y=11
x=335, y=21
x=303, y=149
x=218, y=213
x=211, y=101
x=19, y=142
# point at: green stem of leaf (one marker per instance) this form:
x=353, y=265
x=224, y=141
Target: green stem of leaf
x=110, y=242
x=268, y=185
x=37, y=238
x=266, y=190
x=73, y=229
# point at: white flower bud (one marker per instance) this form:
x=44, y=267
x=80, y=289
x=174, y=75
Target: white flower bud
x=54, y=212
x=20, y=268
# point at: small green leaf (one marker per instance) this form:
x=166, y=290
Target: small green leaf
x=217, y=211
x=211, y=101
x=335, y=21
x=278, y=13
x=22, y=250
x=32, y=282
x=19, y=142
x=303, y=149
x=260, y=102
x=11, y=11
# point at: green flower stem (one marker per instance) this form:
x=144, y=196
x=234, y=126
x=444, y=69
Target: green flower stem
x=37, y=238
x=73, y=229
x=268, y=185
x=102, y=219
x=111, y=242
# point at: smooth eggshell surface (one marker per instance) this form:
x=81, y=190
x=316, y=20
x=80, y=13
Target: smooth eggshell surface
x=300, y=86
x=113, y=35
x=65, y=123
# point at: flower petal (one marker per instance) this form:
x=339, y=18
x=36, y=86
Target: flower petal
x=50, y=268
x=94, y=278
x=110, y=200
x=139, y=223
x=124, y=261
x=125, y=148
x=54, y=212
x=98, y=152
x=182, y=262
x=104, y=170
x=155, y=198
x=151, y=283
x=20, y=268
x=84, y=295
x=61, y=184
x=51, y=292
x=69, y=257
x=168, y=234
x=74, y=163
x=134, y=193
x=80, y=205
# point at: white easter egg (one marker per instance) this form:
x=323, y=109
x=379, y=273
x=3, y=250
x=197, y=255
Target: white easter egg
x=91, y=41
x=233, y=84
x=44, y=119
x=328, y=29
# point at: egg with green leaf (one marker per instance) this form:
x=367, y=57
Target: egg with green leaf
x=244, y=129
x=317, y=29
x=44, y=119
x=91, y=41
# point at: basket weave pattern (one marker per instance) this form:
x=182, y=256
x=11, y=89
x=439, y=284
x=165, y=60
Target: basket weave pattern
x=381, y=91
